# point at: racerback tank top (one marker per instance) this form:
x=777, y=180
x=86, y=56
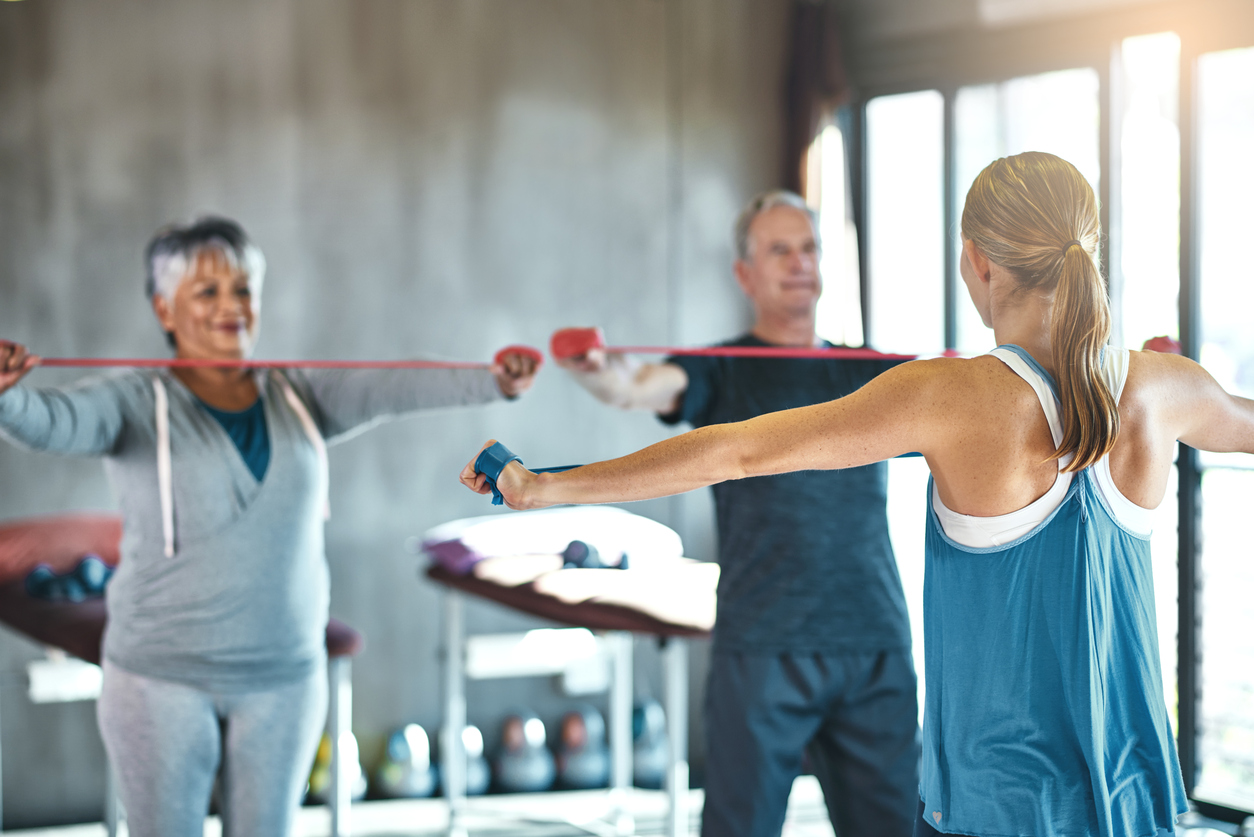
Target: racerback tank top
x=1044, y=708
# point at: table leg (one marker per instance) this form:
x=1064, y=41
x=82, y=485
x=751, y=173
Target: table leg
x=452, y=751
x=1, y=805
x=113, y=814
x=675, y=653
x=340, y=670
x=621, y=695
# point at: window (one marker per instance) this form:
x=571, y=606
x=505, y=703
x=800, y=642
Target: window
x=906, y=261
x=1225, y=173
x=1225, y=215
x=1155, y=128
x=907, y=515
x=905, y=222
x=1056, y=112
x=838, y=317
x=1145, y=270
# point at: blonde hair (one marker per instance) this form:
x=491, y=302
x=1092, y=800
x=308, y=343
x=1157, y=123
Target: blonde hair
x=1036, y=216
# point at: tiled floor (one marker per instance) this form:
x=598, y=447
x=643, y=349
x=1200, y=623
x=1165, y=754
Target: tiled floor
x=520, y=815
x=559, y=814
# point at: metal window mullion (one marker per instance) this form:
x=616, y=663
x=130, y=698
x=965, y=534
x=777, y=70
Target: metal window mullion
x=949, y=214
x=858, y=189
x=1110, y=80
x=1190, y=478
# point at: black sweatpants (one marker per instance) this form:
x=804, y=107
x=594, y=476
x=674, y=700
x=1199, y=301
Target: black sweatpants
x=855, y=715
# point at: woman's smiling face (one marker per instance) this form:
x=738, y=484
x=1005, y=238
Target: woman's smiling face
x=214, y=312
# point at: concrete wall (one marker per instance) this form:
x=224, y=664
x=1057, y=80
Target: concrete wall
x=425, y=176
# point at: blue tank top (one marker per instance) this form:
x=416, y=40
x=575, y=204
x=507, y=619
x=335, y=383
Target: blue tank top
x=1044, y=710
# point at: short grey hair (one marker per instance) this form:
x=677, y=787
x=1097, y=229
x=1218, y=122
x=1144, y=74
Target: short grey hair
x=762, y=203
x=173, y=250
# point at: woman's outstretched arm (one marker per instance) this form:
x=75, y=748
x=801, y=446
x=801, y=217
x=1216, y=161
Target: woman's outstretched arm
x=345, y=402
x=83, y=419
x=1202, y=414
x=889, y=416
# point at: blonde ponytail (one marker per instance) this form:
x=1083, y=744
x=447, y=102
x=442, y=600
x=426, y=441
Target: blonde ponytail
x=1079, y=329
x=1035, y=215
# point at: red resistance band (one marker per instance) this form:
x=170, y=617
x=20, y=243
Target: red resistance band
x=574, y=342
x=198, y=363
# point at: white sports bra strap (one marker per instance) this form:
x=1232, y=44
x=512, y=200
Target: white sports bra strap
x=1115, y=369
x=1044, y=394
x=1134, y=518
x=998, y=530
x=983, y=532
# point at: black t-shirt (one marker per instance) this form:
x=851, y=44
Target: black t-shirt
x=806, y=560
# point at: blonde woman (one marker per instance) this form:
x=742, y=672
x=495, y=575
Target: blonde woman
x=1044, y=712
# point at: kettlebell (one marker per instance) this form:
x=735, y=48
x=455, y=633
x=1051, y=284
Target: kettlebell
x=523, y=764
x=406, y=771
x=319, y=787
x=583, y=759
x=649, y=745
x=478, y=773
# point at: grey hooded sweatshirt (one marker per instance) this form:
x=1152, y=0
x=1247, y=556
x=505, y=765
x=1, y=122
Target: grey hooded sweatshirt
x=243, y=602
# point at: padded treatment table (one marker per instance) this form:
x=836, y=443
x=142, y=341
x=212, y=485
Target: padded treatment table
x=618, y=603
x=78, y=627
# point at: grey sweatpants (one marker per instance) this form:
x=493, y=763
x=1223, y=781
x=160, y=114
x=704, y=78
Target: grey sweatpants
x=168, y=741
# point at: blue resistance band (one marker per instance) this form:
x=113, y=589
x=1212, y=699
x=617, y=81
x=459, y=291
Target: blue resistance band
x=492, y=460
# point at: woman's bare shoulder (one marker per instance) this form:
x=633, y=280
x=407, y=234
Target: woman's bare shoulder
x=981, y=418
x=960, y=395
x=1161, y=378
x=964, y=377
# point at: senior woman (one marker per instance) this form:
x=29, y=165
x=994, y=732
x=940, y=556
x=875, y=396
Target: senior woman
x=214, y=660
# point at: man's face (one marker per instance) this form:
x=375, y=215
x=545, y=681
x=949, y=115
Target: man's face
x=781, y=274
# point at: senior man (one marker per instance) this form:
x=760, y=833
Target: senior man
x=812, y=642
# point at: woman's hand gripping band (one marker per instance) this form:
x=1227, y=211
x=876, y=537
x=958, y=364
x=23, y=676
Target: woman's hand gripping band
x=15, y=361
x=489, y=473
